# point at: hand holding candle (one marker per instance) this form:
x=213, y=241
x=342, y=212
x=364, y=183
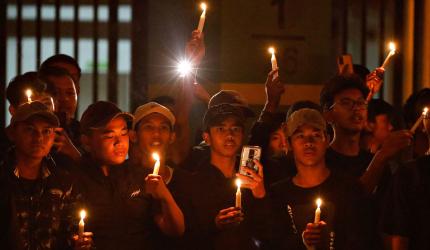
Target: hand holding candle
x=273, y=61
x=392, y=48
x=28, y=93
x=83, y=214
x=157, y=163
x=419, y=120
x=202, y=17
x=318, y=211
x=238, y=194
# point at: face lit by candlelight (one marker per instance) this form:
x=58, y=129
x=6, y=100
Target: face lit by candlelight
x=83, y=214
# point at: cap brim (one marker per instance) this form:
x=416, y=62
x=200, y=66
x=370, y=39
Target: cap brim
x=46, y=115
x=127, y=116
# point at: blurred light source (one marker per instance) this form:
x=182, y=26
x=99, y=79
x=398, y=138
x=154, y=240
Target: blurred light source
x=184, y=68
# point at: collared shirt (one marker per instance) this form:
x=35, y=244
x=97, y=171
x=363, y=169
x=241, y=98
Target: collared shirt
x=43, y=210
x=120, y=214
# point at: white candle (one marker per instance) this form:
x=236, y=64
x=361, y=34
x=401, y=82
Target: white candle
x=273, y=61
x=238, y=194
x=83, y=214
x=392, y=48
x=202, y=17
x=420, y=119
x=28, y=93
x=157, y=163
x=318, y=211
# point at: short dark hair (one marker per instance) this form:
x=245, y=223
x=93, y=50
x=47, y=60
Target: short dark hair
x=379, y=107
x=361, y=71
x=60, y=58
x=414, y=105
x=15, y=90
x=45, y=73
x=338, y=84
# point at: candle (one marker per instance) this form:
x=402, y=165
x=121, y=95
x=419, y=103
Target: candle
x=238, y=194
x=28, y=93
x=157, y=163
x=318, y=211
x=273, y=61
x=420, y=119
x=202, y=17
x=392, y=48
x=83, y=214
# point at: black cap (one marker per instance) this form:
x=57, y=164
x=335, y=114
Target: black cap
x=216, y=114
x=231, y=97
x=99, y=114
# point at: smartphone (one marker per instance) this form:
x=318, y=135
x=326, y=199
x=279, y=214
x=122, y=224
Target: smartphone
x=249, y=154
x=344, y=64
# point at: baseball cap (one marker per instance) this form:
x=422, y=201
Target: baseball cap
x=231, y=97
x=216, y=114
x=150, y=108
x=304, y=116
x=99, y=114
x=31, y=109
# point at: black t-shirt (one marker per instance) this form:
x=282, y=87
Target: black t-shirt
x=408, y=204
x=342, y=209
x=213, y=193
x=354, y=166
x=120, y=214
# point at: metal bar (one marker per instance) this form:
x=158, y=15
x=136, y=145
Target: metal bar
x=57, y=26
x=76, y=29
x=95, y=51
x=363, y=49
x=19, y=37
x=113, y=51
x=381, y=39
x=3, y=37
x=38, y=32
x=139, y=32
x=345, y=27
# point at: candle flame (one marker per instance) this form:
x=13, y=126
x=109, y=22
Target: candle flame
x=156, y=156
x=392, y=46
x=203, y=6
x=238, y=183
x=28, y=93
x=319, y=202
x=425, y=110
x=83, y=214
x=272, y=50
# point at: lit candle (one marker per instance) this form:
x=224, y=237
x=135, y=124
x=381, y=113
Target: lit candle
x=273, y=61
x=28, y=93
x=238, y=194
x=157, y=163
x=392, y=48
x=420, y=119
x=202, y=17
x=83, y=214
x=318, y=211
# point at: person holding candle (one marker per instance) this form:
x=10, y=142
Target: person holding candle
x=406, y=209
x=298, y=223
x=124, y=204
x=216, y=222
x=154, y=133
x=42, y=197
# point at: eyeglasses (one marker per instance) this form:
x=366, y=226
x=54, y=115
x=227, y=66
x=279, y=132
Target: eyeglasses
x=350, y=104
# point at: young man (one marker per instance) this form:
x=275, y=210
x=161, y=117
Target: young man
x=41, y=198
x=65, y=62
x=216, y=222
x=153, y=132
x=294, y=199
x=406, y=221
x=124, y=204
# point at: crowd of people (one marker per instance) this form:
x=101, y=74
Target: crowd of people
x=369, y=170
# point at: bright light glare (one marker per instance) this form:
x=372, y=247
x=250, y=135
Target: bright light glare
x=271, y=50
x=392, y=46
x=203, y=6
x=184, y=68
x=155, y=156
